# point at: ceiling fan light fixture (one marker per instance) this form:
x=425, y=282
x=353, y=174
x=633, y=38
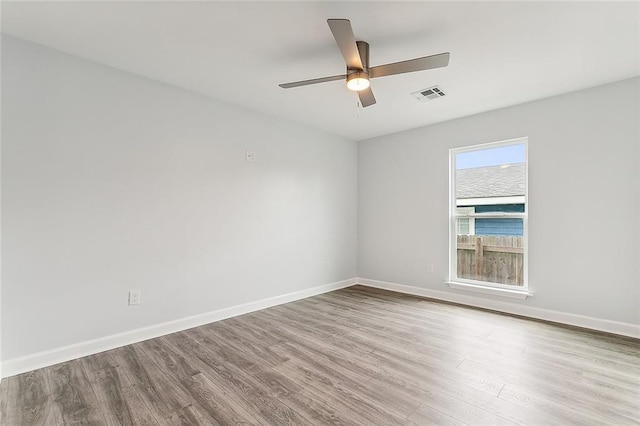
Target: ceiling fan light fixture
x=356, y=58
x=358, y=81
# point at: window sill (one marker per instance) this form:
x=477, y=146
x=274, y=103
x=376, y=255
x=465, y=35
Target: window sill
x=515, y=294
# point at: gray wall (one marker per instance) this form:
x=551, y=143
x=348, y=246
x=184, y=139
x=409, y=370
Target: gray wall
x=584, y=175
x=114, y=182
x=0, y=218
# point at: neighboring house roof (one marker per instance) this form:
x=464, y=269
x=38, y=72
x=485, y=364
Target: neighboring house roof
x=493, y=181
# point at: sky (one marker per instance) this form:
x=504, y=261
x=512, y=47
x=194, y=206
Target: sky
x=491, y=157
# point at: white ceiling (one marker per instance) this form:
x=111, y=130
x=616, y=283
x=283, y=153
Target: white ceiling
x=502, y=53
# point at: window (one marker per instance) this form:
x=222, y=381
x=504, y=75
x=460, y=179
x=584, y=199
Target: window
x=466, y=225
x=488, y=218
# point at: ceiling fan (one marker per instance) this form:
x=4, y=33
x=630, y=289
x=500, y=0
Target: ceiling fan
x=356, y=56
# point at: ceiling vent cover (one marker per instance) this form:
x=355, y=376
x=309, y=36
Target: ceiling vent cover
x=429, y=94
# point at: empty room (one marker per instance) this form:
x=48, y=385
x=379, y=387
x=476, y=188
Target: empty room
x=313, y=212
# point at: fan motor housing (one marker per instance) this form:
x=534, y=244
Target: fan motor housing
x=363, y=49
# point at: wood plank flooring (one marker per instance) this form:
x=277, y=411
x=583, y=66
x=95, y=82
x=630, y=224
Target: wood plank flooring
x=357, y=356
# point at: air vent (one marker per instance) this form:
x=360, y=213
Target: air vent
x=429, y=94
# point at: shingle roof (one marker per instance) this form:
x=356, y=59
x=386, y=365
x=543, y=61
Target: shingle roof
x=492, y=181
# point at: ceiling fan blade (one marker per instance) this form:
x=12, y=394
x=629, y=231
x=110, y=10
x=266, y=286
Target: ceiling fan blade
x=313, y=81
x=418, y=64
x=342, y=32
x=366, y=97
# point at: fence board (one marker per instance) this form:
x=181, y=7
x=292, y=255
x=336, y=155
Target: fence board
x=497, y=259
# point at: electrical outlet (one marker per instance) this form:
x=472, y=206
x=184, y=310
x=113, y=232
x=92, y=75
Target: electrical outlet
x=430, y=268
x=250, y=156
x=134, y=297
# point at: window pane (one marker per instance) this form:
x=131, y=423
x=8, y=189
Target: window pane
x=507, y=154
x=490, y=186
x=491, y=180
x=494, y=254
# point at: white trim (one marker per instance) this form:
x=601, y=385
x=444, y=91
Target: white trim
x=479, y=288
x=490, y=201
x=491, y=215
x=54, y=356
x=615, y=327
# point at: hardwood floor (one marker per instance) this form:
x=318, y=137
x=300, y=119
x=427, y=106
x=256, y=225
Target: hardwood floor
x=356, y=356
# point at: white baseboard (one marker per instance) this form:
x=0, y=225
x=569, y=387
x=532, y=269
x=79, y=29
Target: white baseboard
x=615, y=327
x=31, y=362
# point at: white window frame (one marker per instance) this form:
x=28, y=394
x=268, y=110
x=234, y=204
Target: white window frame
x=519, y=292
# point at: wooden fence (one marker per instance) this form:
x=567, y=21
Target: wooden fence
x=497, y=259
